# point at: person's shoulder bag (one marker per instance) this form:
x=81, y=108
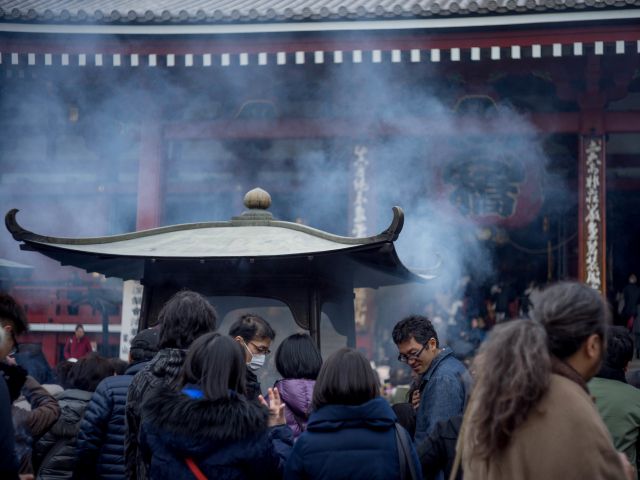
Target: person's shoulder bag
x=403, y=442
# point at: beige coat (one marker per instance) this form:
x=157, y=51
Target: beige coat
x=562, y=439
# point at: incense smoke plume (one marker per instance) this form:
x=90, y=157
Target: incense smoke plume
x=70, y=152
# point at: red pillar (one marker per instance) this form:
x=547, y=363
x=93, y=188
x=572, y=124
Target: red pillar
x=150, y=175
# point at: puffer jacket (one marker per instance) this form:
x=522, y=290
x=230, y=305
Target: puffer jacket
x=163, y=369
x=101, y=436
x=349, y=442
x=296, y=394
x=55, y=453
x=228, y=438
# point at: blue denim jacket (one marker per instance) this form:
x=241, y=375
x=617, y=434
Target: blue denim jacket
x=443, y=393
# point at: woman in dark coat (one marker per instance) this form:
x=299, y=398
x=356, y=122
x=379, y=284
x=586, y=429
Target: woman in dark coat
x=208, y=426
x=351, y=433
x=54, y=455
x=298, y=361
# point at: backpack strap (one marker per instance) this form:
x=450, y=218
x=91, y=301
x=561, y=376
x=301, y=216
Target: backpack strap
x=197, y=473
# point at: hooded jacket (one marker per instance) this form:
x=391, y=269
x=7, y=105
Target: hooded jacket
x=55, y=453
x=349, y=442
x=163, y=369
x=227, y=438
x=296, y=393
x=101, y=437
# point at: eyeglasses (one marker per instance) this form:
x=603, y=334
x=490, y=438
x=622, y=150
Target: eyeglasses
x=260, y=349
x=412, y=356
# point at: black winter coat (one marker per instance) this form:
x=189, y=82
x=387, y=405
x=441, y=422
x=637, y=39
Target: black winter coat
x=101, y=436
x=54, y=455
x=228, y=439
x=163, y=369
x=438, y=451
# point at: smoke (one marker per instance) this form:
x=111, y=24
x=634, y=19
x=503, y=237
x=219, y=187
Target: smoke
x=70, y=158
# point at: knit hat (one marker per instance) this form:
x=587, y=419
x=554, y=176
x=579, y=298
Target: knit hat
x=144, y=345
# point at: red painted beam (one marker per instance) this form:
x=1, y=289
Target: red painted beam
x=566, y=122
x=312, y=128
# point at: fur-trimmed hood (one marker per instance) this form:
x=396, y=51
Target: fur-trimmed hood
x=198, y=424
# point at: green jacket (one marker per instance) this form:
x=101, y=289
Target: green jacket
x=619, y=406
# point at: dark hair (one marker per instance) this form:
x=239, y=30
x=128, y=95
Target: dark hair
x=118, y=366
x=619, y=348
x=634, y=378
x=298, y=357
x=216, y=363
x=88, y=372
x=346, y=378
x=416, y=326
x=10, y=311
x=513, y=367
x=250, y=326
x=570, y=312
x=79, y=326
x=185, y=317
x=62, y=371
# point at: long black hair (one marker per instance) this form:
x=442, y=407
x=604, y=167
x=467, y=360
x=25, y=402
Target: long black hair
x=216, y=363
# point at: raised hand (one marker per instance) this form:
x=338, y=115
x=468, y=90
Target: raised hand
x=275, y=406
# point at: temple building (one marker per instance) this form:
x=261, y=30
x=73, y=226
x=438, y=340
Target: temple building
x=508, y=131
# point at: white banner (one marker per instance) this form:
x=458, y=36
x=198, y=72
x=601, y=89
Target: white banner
x=131, y=305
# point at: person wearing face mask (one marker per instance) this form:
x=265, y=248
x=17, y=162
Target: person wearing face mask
x=255, y=335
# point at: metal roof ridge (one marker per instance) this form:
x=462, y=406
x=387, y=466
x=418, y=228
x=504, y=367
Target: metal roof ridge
x=600, y=12
x=389, y=235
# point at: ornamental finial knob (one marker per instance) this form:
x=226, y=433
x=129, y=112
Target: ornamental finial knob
x=257, y=199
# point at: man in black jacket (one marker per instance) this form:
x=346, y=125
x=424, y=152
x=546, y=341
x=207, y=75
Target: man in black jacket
x=185, y=317
x=101, y=437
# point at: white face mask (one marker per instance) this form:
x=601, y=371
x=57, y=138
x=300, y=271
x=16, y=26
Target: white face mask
x=257, y=361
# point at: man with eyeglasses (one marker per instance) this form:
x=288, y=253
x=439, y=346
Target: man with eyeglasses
x=255, y=335
x=442, y=379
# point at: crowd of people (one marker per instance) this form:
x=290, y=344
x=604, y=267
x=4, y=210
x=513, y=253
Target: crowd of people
x=545, y=397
